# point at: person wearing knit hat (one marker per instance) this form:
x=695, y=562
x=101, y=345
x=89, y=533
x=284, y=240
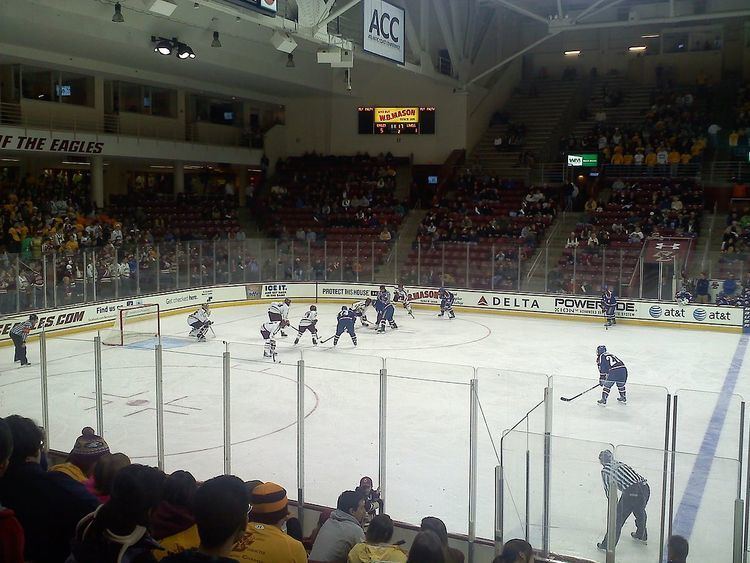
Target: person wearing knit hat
x=83, y=457
x=265, y=538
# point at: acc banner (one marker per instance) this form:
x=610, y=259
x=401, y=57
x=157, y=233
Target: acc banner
x=384, y=30
x=396, y=115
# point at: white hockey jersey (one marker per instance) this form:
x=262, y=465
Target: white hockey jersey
x=201, y=316
x=400, y=295
x=270, y=328
x=280, y=309
x=310, y=318
x=359, y=307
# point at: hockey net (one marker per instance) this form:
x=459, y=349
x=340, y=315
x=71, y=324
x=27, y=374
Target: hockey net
x=133, y=324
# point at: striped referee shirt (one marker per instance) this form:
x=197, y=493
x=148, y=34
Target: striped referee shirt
x=22, y=329
x=625, y=476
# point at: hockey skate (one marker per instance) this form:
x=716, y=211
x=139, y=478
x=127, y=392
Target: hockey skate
x=602, y=402
x=601, y=545
x=622, y=400
x=283, y=333
x=440, y=314
x=452, y=315
x=393, y=325
x=194, y=332
x=411, y=314
x=201, y=339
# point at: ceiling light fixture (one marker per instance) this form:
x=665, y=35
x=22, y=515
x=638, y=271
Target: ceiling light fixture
x=290, y=61
x=650, y=36
x=196, y=5
x=117, y=17
x=184, y=52
x=238, y=19
x=216, y=43
x=163, y=46
x=573, y=53
x=637, y=48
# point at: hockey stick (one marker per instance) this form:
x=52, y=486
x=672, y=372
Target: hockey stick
x=327, y=339
x=568, y=399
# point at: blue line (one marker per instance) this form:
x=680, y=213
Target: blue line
x=696, y=486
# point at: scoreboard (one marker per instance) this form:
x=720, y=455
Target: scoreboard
x=396, y=120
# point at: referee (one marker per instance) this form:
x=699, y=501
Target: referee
x=633, y=500
x=18, y=334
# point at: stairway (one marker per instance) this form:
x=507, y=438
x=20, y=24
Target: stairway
x=392, y=268
x=541, y=114
x=549, y=253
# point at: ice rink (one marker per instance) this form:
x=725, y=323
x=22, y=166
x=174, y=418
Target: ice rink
x=430, y=362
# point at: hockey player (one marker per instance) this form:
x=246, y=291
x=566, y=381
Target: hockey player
x=346, y=318
x=612, y=371
x=446, y=303
x=400, y=295
x=684, y=297
x=609, y=306
x=385, y=310
x=278, y=313
x=200, y=322
x=307, y=323
x=268, y=330
x=360, y=308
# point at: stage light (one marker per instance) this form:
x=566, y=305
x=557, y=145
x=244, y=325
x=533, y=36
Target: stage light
x=117, y=16
x=216, y=43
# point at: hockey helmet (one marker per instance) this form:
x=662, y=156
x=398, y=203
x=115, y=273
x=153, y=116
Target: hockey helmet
x=601, y=350
x=365, y=482
x=288, y=301
x=344, y=308
x=368, y=301
x=313, y=308
x=382, y=288
x=204, y=306
x=605, y=456
x=33, y=318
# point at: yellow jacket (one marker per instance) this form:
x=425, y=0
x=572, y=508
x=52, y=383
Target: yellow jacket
x=72, y=471
x=264, y=543
x=187, y=539
x=376, y=553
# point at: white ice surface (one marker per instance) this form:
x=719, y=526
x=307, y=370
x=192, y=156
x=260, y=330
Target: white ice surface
x=430, y=363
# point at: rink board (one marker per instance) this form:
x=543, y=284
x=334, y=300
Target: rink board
x=570, y=307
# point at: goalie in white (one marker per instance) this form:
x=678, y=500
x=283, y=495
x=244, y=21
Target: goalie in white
x=199, y=322
x=400, y=295
x=307, y=323
x=268, y=330
x=278, y=313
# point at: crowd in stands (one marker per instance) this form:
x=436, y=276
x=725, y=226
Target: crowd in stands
x=496, y=215
x=739, y=135
x=98, y=507
x=674, y=131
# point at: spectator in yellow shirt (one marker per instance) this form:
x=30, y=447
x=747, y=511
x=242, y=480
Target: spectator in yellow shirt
x=673, y=157
x=265, y=540
x=220, y=508
x=617, y=158
x=651, y=159
x=377, y=545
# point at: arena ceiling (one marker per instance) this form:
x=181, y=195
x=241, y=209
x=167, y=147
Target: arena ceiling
x=80, y=34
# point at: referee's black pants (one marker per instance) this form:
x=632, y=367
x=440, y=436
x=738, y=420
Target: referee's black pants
x=20, y=349
x=633, y=500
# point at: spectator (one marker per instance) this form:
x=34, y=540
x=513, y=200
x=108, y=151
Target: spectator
x=590, y=208
x=677, y=549
x=221, y=506
x=701, y=289
x=516, y=551
x=11, y=532
x=342, y=531
x=48, y=504
x=436, y=525
x=118, y=531
x=309, y=541
x=86, y=451
x=377, y=545
x=174, y=514
x=373, y=502
x=426, y=548
x=105, y=471
x=730, y=285
x=264, y=539
x=385, y=235
x=729, y=238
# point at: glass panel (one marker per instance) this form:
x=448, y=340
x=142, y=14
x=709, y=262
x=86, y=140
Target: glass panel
x=37, y=83
x=167, y=266
x=129, y=389
x=193, y=407
x=410, y=496
x=72, y=403
x=574, y=418
x=576, y=470
x=20, y=392
x=708, y=420
x=350, y=386
x=704, y=495
x=264, y=430
x=504, y=397
x=75, y=89
x=163, y=102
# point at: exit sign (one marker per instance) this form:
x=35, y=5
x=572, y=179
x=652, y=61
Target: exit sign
x=584, y=160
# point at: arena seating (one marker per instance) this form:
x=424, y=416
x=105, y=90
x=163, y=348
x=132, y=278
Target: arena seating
x=491, y=224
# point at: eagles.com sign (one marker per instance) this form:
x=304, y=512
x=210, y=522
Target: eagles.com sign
x=384, y=33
